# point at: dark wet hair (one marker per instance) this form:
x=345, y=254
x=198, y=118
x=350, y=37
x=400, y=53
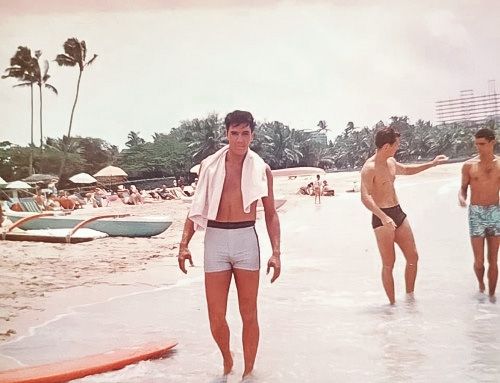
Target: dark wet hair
x=385, y=135
x=486, y=133
x=239, y=117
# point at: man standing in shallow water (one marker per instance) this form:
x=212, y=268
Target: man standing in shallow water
x=230, y=183
x=482, y=174
x=388, y=219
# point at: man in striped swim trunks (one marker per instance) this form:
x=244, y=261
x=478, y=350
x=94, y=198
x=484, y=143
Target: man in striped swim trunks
x=231, y=181
x=482, y=174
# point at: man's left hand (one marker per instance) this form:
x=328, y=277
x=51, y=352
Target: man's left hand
x=275, y=263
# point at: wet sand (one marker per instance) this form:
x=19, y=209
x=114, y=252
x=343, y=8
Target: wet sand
x=326, y=319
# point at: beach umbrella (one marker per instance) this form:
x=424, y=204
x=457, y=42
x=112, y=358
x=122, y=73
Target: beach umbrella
x=298, y=171
x=18, y=185
x=82, y=178
x=40, y=178
x=195, y=169
x=111, y=171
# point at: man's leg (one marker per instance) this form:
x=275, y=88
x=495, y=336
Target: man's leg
x=247, y=283
x=478, y=250
x=216, y=289
x=492, y=263
x=385, y=242
x=406, y=242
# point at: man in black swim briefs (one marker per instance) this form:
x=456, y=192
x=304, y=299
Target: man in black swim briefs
x=389, y=220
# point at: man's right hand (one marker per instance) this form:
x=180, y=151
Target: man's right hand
x=184, y=254
x=462, y=202
x=388, y=222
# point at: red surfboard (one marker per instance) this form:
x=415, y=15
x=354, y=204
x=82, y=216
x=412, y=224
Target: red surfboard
x=64, y=371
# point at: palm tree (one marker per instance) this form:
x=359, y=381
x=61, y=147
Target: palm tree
x=281, y=145
x=41, y=77
x=75, y=53
x=134, y=139
x=22, y=68
x=206, y=136
x=322, y=126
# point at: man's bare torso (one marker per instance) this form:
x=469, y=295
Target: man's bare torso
x=382, y=188
x=484, y=181
x=231, y=201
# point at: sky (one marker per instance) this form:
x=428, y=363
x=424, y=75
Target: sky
x=298, y=62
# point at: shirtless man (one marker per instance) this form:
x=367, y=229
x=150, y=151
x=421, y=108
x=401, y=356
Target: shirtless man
x=233, y=231
x=482, y=174
x=388, y=220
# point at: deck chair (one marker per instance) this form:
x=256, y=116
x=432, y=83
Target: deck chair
x=29, y=204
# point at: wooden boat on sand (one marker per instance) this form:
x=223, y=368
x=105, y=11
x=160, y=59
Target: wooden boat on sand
x=114, y=225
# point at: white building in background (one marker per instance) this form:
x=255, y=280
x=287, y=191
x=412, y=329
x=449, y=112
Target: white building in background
x=469, y=107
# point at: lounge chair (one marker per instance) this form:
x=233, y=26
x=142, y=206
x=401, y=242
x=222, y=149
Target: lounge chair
x=30, y=205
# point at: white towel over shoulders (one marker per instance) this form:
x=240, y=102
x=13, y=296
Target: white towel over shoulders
x=211, y=181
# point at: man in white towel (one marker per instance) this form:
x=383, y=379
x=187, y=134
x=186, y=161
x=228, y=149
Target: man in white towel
x=231, y=181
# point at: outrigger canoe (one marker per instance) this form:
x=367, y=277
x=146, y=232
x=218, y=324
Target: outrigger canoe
x=53, y=235
x=117, y=225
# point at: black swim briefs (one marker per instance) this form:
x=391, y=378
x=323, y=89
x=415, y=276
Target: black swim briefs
x=396, y=213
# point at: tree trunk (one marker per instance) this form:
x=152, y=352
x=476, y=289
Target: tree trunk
x=41, y=120
x=30, y=168
x=67, y=145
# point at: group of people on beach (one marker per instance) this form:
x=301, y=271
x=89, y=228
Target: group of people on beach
x=232, y=180
x=317, y=189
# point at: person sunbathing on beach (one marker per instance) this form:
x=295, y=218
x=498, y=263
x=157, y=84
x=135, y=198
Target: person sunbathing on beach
x=482, y=174
x=65, y=202
x=327, y=192
x=227, y=210
x=53, y=203
x=388, y=219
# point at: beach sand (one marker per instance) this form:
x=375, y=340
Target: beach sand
x=326, y=311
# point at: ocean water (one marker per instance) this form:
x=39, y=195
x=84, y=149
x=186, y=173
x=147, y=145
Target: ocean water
x=325, y=320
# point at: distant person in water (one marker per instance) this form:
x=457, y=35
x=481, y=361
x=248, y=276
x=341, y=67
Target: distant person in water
x=231, y=181
x=317, y=189
x=482, y=175
x=388, y=219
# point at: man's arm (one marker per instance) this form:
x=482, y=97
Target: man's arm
x=184, y=253
x=404, y=169
x=273, y=228
x=367, y=176
x=464, y=186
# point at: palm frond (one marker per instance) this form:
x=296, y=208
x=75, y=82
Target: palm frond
x=64, y=60
x=52, y=88
x=22, y=85
x=91, y=60
x=83, y=50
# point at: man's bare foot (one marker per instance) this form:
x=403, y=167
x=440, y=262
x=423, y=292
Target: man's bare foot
x=248, y=377
x=228, y=364
x=481, y=287
x=410, y=297
x=493, y=299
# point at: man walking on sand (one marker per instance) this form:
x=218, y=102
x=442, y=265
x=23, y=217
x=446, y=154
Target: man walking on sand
x=231, y=181
x=482, y=174
x=388, y=219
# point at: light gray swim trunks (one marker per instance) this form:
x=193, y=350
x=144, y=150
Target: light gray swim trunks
x=484, y=221
x=231, y=245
